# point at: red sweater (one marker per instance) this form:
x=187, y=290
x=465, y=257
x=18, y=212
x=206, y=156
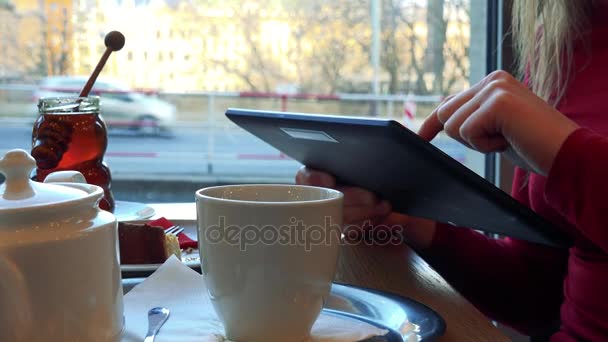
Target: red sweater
x=536, y=288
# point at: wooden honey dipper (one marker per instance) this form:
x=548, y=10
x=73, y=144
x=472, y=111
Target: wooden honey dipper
x=114, y=41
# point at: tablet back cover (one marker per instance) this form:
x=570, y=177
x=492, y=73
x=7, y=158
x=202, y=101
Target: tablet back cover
x=393, y=162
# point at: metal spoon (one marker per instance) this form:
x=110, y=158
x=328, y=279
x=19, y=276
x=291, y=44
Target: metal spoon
x=156, y=318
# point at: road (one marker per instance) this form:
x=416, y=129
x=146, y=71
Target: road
x=194, y=153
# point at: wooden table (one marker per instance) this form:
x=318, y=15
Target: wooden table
x=395, y=269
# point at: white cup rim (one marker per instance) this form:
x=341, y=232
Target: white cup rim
x=333, y=194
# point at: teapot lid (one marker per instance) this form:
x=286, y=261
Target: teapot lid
x=18, y=191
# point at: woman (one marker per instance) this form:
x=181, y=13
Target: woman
x=555, y=127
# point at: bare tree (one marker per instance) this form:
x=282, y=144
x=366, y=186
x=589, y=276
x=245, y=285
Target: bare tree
x=329, y=45
x=56, y=38
x=21, y=56
x=391, y=50
x=254, y=63
x=441, y=58
x=410, y=58
x=436, y=26
x=327, y=38
x=9, y=66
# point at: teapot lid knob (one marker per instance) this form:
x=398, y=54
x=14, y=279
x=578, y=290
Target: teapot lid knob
x=20, y=192
x=16, y=166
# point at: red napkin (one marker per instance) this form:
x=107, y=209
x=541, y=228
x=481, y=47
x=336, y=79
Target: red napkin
x=184, y=240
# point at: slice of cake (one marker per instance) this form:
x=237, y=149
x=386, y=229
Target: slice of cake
x=145, y=244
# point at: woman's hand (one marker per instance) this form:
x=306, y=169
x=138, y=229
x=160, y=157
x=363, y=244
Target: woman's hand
x=362, y=208
x=359, y=205
x=501, y=114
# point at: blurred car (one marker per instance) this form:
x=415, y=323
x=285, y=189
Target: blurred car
x=121, y=107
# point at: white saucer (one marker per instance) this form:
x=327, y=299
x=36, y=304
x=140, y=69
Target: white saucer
x=131, y=211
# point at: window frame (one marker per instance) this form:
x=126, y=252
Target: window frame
x=494, y=35
x=498, y=169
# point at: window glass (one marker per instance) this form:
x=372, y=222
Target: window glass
x=374, y=58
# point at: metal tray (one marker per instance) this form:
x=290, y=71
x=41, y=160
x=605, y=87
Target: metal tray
x=405, y=319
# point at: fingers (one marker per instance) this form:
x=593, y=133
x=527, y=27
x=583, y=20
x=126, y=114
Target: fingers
x=476, y=118
x=482, y=126
x=481, y=131
x=444, y=118
x=431, y=125
x=454, y=122
x=487, y=144
x=435, y=123
x=454, y=110
x=361, y=205
x=358, y=216
x=358, y=196
x=306, y=176
x=446, y=110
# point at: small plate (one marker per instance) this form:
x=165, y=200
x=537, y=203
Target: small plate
x=404, y=318
x=190, y=258
x=131, y=211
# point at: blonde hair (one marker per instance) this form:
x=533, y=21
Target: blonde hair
x=544, y=33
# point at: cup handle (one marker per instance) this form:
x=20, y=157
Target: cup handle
x=15, y=303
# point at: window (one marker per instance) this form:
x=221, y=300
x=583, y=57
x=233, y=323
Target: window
x=395, y=62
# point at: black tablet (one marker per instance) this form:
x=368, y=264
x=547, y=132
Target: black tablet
x=395, y=163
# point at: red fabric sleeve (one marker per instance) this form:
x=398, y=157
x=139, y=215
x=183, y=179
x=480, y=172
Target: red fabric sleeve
x=577, y=184
x=511, y=281
x=514, y=281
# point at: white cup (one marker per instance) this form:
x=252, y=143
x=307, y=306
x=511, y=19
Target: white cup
x=269, y=256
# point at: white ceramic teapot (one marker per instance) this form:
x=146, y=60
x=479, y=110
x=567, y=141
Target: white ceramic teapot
x=59, y=266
